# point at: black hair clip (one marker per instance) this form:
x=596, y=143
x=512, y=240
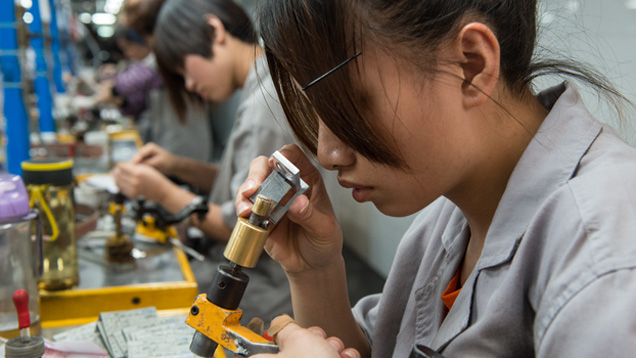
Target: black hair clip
x=332, y=70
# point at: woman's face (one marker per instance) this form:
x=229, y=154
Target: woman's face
x=211, y=78
x=133, y=50
x=426, y=126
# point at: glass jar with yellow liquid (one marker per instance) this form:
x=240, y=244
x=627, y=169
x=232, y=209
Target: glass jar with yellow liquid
x=50, y=187
x=20, y=256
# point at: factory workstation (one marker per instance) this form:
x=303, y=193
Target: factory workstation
x=317, y=178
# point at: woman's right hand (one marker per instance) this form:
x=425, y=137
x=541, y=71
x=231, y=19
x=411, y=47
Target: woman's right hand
x=297, y=342
x=309, y=237
x=157, y=157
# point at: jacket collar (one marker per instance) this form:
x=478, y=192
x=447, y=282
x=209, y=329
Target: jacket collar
x=548, y=162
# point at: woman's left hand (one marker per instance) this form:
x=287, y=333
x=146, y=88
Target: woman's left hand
x=308, y=239
x=297, y=342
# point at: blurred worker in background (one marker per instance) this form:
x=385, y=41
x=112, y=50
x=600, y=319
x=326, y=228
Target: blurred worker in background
x=207, y=49
x=131, y=86
x=141, y=92
x=141, y=16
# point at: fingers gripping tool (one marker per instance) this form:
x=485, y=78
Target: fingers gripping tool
x=215, y=316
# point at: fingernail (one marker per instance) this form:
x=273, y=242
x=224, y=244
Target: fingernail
x=249, y=184
x=350, y=354
x=242, y=207
x=303, y=210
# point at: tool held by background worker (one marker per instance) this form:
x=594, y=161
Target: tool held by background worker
x=216, y=315
x=154, y=223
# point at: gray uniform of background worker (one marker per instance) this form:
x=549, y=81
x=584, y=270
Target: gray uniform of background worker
x=253, y=134
x=159, y=124
x=547, y=249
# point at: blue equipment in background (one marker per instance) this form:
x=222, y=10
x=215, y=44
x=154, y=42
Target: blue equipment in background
x=17, y=122
x=55, y=49
x=41, y=82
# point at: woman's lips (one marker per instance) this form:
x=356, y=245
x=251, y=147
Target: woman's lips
x=360, y=193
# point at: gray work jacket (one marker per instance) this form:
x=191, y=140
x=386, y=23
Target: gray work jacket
x=260, y=129
x=556, y=277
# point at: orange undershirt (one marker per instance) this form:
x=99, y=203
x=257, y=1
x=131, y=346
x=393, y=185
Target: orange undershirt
x=451, y=291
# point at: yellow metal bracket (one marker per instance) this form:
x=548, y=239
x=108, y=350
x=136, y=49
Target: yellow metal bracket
x=223, y=327
x=114, y=207
x=148, y=228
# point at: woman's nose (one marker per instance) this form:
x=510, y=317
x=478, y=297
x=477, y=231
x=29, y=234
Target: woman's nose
x=332, y=152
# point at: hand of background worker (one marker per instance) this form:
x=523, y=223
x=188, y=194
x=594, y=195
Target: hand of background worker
x=157, y=157
x=297, y=342
x=136, y=180
x=309, y=237
x=105, y=92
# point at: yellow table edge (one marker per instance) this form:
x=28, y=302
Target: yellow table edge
x=80, y=306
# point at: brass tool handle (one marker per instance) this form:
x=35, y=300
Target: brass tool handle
x=249, y=235
x=271, y=202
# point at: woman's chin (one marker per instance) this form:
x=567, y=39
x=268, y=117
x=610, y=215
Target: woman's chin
x=395, y=209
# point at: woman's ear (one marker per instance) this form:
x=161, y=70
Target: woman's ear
x=480, y=63
x=220, y=35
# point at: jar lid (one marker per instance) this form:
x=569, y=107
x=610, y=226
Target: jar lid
x=33, y=347
x=14, y=200
x=48, y=171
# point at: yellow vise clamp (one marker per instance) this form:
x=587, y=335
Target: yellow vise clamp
x=147, y=227
x=222, y=326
